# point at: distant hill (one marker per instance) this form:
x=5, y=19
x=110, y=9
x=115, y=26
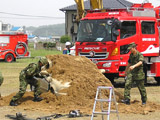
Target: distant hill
x=48, y=30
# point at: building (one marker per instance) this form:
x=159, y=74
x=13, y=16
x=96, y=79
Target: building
x=4, y=27
x=70, y=14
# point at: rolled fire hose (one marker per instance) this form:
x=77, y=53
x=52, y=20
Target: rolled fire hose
x=18, y=46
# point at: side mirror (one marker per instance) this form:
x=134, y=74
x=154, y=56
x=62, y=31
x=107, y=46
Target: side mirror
x=116, y=33
x=114, y=23
x=117, y=24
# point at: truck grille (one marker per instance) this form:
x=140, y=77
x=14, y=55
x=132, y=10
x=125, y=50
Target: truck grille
x=96, y=55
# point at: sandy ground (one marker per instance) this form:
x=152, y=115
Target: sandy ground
x=80, y=96
x=153, y=96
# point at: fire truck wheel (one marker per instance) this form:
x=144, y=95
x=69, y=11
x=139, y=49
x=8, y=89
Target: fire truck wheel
x=158, y=80
x=110, y=77
x=9, y=57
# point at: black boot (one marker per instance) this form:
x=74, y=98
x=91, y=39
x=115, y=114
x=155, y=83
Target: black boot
x=143, y=102
x=13, y=103
x=126, y=101
x=37, y=99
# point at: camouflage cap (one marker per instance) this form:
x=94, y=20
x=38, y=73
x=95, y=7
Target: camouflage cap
x=43, y=60
x=131, y=45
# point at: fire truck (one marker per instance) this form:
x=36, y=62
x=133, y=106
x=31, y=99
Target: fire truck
x=13, y=46
x=104, y=35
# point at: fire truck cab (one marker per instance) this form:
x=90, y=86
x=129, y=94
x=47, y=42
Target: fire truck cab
x=104, y=35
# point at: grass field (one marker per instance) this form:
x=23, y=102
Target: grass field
x=41, y=52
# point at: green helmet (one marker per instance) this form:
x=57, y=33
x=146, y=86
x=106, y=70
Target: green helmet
x=43, y=60
x=131, y=45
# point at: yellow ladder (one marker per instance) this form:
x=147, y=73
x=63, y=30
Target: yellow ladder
x=110, y=98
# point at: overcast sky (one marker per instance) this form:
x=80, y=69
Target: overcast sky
x=12, y=11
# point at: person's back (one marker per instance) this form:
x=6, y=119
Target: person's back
x=31, y=70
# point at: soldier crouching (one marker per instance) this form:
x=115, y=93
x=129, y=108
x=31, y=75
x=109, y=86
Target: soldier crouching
x=27, y=77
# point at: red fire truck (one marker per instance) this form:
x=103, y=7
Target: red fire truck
x=12, y=46
x=104, y=35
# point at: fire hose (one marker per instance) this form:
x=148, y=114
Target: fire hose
x=20, y=45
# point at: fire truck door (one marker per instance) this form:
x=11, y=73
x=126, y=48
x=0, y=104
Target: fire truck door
x=149, y=38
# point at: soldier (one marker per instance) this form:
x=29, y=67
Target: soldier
x=27, y=77
x=1, y=80
x=134, y=72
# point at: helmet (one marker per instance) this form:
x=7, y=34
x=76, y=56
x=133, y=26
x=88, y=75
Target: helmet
x=43, y=60
x=131, y=45
x=67, y=43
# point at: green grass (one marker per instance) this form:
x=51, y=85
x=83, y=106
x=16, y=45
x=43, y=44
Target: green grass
x=41, y=52
x=35, y=53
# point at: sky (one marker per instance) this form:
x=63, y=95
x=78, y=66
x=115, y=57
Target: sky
x=39, y=12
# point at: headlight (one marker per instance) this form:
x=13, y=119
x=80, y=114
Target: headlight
x=107, y=65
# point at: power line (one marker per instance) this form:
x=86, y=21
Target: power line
x=50, y=17
x=29, y=18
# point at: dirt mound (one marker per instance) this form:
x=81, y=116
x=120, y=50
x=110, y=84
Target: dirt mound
x=85, y=78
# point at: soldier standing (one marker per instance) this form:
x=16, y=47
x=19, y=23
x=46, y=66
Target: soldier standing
x=27, y=77
x=134, y=72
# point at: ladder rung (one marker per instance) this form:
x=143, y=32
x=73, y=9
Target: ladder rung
x=111, y=111
x=104, y=113
x=103, y=100
x=103, y=87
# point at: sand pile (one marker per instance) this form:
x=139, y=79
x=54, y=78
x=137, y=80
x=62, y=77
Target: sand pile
x=85, y=78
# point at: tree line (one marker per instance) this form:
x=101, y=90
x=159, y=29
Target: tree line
x=48, y=30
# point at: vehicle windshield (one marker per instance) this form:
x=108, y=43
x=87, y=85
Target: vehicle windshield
x=94, y=31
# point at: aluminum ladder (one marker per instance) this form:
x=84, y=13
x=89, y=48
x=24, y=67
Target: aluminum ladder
x=106, y=100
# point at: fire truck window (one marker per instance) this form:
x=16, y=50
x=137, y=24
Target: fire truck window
x=94, y=31
x=87, y=29
x=128, y=28
x=124, y=49
x=148, y=27
x=101, y=31
x=4, y=39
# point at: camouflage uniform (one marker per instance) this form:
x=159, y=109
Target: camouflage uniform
x=26, y=77
x=1, y=79
x=136, y=75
